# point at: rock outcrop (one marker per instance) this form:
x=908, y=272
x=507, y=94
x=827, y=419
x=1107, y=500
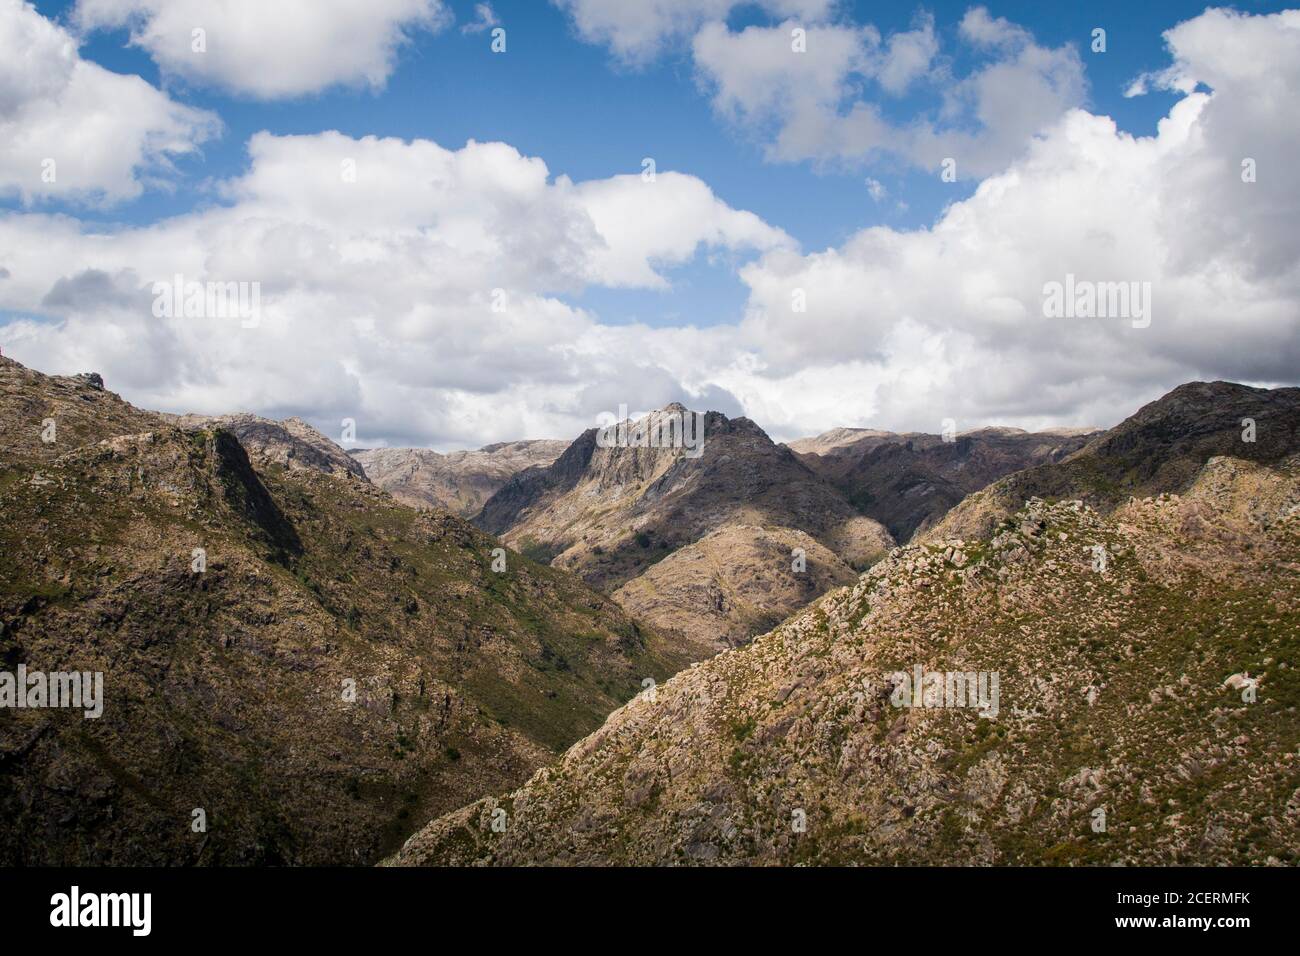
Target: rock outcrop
x=910, y=481
x=613, y=514
x=291, y=443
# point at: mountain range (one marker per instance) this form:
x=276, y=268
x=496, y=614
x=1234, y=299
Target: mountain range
x=631, y=654
x=705, y=547
x=460, y=481
x=1144, y=710
x=315, y=666
x=908, y=482
x=1134, y=636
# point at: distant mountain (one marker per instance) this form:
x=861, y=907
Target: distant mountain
x=291, y=443
x=459, y=481
x=837, y=441
x=612, y=514
x=1161, y=448
x=283, y=646
x=1144, y=711
x=909, y=481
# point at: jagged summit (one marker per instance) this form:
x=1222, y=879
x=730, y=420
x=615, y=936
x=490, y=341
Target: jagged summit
x=641, y=517
x=291, y=443
x=615, y=502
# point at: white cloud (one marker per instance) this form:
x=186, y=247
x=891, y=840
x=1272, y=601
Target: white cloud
x=377, y=294
x=757, y=76
x=644, y=224
x=637, y=31
x=818, y=104
x=907, y=57
x=982, y=29
x=270, y=50
x=948, y=321
x=70, y=129
x=485, y=18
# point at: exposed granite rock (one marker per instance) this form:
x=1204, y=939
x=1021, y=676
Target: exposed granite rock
x=1161, y=448
x=612, y=514
x=733, y=584
x=291, y=443
x=459, y=481
x=909, y=481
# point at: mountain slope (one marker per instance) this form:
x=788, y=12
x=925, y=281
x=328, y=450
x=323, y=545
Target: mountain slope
x=291, y=443
x=611, y=514
x=733, y=583
x=1161, y=448
x=337, y=669
x=78, y=408
x=459, y=481
x=908, y=482
x=1122, y=732
x=841, y=441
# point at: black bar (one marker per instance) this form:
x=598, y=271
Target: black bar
x=332, y=906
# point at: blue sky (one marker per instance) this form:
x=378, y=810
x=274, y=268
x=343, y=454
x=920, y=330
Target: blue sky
x=588, y=116
x=779, y=177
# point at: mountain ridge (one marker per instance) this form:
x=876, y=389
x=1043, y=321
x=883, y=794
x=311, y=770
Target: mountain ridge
x=314, y=665
x=1160, y=448
x=619, y=505
x=459, y=481
x=1122, y=734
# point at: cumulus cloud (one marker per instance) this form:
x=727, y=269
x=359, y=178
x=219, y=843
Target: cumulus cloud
x=70, y=129
x=270, y=50
x=948, y=321
x=381, y=262
x=907, y=57
x=413, y=288
x=756, y=75
x=819, y=104
x=636, y=32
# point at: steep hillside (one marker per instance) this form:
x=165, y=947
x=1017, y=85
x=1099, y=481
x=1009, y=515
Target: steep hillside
x=292, y=443
x=611, y=514
x=733, y=583
x=459, y=481
x=1145, y=712
x=1161, y=448
x=315, y=666
x=42, y=416
x=908, y=482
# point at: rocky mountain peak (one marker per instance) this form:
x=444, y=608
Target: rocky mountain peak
x=620, y=502
x=291, y=443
